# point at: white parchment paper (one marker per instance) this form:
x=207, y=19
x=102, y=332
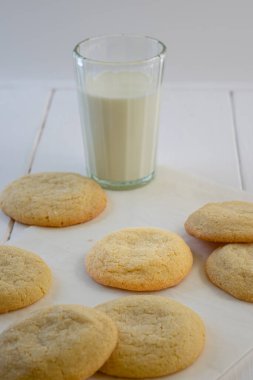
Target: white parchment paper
x=164, y=203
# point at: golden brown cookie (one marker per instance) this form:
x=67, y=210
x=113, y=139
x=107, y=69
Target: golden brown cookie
x=53, y=199
x=225, y=222
x=157, y=336
x=67, y=342
x=231, y=269
x=140, y=259
x=24, y=278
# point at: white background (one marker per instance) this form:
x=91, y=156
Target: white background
x=207, y=40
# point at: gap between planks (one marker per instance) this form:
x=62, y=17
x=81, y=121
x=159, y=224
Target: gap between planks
x=36, y=143
x=231, y=371
x=40, y=130
x=236, y=139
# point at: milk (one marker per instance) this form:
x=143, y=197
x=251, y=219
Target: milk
x=121, y=112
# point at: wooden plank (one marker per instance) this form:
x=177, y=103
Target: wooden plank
x=21, y=113
x=243, y=115
x=197, y=135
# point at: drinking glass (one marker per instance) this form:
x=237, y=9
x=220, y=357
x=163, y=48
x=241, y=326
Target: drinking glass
x=119, y=81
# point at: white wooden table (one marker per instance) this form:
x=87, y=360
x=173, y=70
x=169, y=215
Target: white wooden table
x=204, y=131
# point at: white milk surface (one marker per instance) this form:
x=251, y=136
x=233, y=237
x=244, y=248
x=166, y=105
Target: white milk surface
x=121, y=118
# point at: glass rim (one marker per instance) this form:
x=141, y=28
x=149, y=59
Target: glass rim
x=133, y=62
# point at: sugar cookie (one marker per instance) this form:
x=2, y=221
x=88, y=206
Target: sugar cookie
x=67, y=342
x=231, y=269
x=157, y=336
x=140, y=259
x=24, y=278
x=226, y=222
x=53, y=199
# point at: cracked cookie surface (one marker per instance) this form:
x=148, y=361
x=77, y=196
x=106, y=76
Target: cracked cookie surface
x=231, y=269
x=63, y=342
x=157, y=336
x=24, y=278
x=53, y=199
x=224, y=222
x=139, y=259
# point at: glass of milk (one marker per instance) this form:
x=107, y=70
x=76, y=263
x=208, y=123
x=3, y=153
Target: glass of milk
x=119, y=79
